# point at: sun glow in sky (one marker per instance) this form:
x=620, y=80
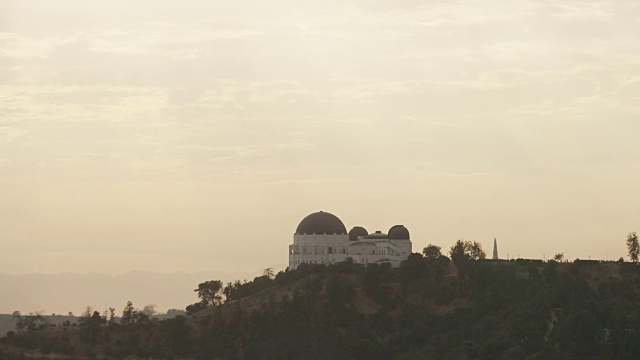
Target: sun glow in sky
x=195, y=135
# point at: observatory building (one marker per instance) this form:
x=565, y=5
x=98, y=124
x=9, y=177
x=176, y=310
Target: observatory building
x=322, y=238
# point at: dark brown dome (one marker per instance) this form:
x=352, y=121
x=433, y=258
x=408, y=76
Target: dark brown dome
x=357, y=231
x=399, y=232
x=321, y=223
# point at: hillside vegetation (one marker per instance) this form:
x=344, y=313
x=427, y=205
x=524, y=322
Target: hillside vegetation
x=428, y=308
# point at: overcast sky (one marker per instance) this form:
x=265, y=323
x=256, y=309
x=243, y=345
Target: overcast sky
x=195, y=135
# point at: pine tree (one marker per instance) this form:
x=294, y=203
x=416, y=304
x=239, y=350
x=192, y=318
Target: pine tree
x=128, y=314
x=632, y=246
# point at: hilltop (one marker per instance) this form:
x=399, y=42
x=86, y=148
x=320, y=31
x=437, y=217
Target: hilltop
x=425, y=309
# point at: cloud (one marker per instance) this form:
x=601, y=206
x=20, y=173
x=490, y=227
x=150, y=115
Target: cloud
x=225, y=153
x=579, y=10
x=11, y=134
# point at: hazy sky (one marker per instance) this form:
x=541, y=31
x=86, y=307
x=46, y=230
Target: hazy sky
x=195, y=135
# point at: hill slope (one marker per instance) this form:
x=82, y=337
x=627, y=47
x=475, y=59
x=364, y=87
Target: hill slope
x=423, y=310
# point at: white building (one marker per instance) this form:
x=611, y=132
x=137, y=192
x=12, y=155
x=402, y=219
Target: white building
x=322, y=238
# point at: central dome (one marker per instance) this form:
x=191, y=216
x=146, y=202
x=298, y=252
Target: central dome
x=321, y=223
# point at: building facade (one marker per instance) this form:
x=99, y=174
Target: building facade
x=322, y=238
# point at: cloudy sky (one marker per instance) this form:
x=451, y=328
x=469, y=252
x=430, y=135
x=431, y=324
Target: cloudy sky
x=195, y=135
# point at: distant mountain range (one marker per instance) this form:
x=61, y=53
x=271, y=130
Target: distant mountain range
x=70, y=292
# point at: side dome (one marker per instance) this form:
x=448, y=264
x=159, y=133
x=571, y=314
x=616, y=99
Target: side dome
x=357, y=231
x=321, y=223
x=399, y=232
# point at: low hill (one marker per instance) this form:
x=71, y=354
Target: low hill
x=425, y=309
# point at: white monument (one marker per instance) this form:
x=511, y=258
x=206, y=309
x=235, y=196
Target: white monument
x=495, y=249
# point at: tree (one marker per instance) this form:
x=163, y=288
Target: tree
x=210, y=292
x=413, y=268
x=194, y=308
x=466, y=250
x=633, y=246
x=149, y=310
x=432, y=252
x=29, y=322
x=178, y=339
x=464, y=253
x=559, y=257
x=141, y=317
x=128, y=314
x=112, y=316
x=268, y=272
x=476, y=251
x=171, y=313
x=90, y=324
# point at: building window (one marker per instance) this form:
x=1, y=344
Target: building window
x=330, y=250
